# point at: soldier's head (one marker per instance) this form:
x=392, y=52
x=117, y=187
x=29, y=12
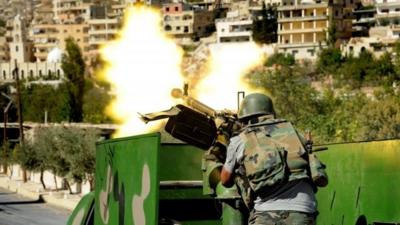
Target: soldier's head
x=255, y=105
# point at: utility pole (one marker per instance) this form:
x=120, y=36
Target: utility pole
x=20, y=119
x=5, y=142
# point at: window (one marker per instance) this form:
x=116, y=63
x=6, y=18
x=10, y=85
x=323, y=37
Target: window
x=16, y=48
x=351, y=48
x=4, y=75
x=167, y=18
x=186, y=29
x=176, y=8
x=58, y=73
x=167, y=9
x=40, y=73
x=167, y=28
x=31, y=73
x=311, y=52
x=78, y=30
x=178, y=28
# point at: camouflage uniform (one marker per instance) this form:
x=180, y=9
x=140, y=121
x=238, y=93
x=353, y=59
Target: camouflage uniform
x=273, y=158
x=281, y=217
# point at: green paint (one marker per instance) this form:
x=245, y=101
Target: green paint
x=128, y=200
x=363, y=181
x=85, y=204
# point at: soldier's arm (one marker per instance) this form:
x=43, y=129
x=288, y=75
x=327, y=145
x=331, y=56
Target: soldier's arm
x=227, y=172
x=226, y=178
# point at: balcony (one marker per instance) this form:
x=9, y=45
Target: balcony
x=102, y=32
x=303, y=6
x=299, y=19
x=298, y=31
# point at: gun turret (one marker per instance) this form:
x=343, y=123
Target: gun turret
x=195, y=122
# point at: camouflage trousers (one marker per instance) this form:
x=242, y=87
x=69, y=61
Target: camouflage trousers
x=281, y=217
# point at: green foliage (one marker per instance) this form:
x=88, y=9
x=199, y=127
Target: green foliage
x=280, y=59
x=96, y=99
x=329, y=60
x=293, y=96
x=332, y=35
x=66, y=151
x=37, y=99
x=334, y=115
x=380, y=118
x=265, y=29
x=2, y=23
x=74, y=71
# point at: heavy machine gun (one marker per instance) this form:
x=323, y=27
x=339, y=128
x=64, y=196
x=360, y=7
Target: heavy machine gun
x=196, y=123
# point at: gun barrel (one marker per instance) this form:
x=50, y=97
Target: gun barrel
x=194, y=103
x=199, y=106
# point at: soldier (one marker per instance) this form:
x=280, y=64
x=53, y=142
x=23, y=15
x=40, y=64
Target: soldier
x=274, y=160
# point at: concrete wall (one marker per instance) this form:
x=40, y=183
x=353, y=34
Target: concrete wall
x=15, y=173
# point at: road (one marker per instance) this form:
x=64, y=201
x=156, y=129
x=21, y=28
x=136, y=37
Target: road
x=16, y=210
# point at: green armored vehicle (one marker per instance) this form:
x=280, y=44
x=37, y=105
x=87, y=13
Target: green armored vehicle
x=142, y=180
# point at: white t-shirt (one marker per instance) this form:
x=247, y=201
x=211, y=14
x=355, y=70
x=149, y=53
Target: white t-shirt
x=297, y=195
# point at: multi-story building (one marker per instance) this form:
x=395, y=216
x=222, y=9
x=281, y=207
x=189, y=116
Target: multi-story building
x=100, y=32
x=343, y=16
x=364, y=20
x=182, y=20
x=71, y=11
x=49, y=36
x=43, y=12
x=234, y=28
x=302, y=28
x=387, y=12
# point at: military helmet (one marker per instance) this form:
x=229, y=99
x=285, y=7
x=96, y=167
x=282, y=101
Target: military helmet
x=255, y=105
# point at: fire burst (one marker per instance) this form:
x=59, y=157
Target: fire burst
x=144, y=65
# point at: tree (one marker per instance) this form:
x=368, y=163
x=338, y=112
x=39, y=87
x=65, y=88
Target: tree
x=29, y=158
x=280, y=59
x=265, y=28
x=329, y=60
x=73, y=66
x=40, y=98
x=2, y=23
x=96, y=99
x=332, y=35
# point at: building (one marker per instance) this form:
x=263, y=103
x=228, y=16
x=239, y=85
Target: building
x=21, y=49
x=387, y=12
x=31, y=71
x=234, y=28
x=49, y=36
x=43, y=13
x=343, y=16
x=184, y=21
x=4, y=50
x=71, y=11
x=364, y=20
x=302, y=28
x=100, y=32
x=376, y=45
